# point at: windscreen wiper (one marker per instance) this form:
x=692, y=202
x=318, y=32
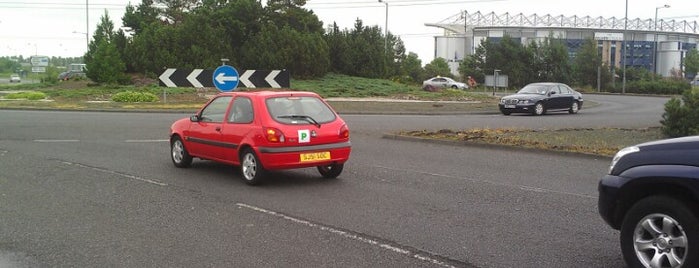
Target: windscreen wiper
x=301, y=117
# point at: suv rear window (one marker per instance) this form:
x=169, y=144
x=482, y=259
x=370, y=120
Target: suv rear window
x=285, y=110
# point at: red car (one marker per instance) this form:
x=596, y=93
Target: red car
x=264, y=130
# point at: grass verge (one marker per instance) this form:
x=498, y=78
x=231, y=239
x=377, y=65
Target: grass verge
x=592, y=141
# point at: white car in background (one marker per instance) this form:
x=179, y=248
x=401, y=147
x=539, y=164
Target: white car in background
x=439, y=82
x=15, y=78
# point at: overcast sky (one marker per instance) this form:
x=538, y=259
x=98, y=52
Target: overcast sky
x=57, y=27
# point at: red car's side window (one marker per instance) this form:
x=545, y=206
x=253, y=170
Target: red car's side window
x=216, y=110
x=241, y=112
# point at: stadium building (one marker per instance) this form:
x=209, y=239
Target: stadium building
x=659, y=47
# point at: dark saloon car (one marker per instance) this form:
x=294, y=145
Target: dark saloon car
x=539, y=98
x=651, y=194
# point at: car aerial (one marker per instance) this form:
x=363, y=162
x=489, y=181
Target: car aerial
x=442, y=82
x=651, y=194
x=264, y=130
x=539, y=98
x=15, y=78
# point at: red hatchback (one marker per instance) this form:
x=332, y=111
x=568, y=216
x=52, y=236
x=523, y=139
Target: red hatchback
x=264, y=130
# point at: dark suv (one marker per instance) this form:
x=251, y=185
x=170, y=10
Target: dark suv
x=651, y=194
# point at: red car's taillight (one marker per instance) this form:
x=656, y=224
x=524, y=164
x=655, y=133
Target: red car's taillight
x=344, y=132
x=274, y=135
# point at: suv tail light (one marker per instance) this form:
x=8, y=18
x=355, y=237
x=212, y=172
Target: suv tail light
x=274, y=135
x=344, y=132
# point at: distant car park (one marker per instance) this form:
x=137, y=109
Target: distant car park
x=74, y=71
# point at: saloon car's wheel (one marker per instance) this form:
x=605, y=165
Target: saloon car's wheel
x=180, y=156
x=506, y=113
x=574, y=108
x=250, y=167
x=539, y=109
x=660, y=231
x=454, y=87
x=330, y=171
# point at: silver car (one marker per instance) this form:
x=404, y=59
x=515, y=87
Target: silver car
x=442, y=82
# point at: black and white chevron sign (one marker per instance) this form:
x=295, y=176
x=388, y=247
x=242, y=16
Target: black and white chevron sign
x=204, y=78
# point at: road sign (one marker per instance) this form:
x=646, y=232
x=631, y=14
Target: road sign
x=226, y=78
x=39, y=69
x=39, y=61
x=205, y=78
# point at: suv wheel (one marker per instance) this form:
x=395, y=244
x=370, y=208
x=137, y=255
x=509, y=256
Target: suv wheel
x=660, y=231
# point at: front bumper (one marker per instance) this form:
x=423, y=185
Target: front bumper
x=516, y=108
x=609, y=199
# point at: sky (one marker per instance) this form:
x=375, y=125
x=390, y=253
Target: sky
x=58, y=27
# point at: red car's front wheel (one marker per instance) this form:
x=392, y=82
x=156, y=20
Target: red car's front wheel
x=180, y=156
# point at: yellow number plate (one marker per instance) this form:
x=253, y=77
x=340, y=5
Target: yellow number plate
x=309, y=157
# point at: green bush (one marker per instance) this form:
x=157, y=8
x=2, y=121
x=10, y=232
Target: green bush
x=133, y=96
x=659, y=87
x=681, y=117
x=29, y=95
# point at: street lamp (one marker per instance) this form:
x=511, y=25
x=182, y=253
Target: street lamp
x=385, y=40
x=87, y=39
x=623, y=42
x=655, y=39
x=495, y=80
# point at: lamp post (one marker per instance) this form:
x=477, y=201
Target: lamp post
x=87, y=27
x=655, y=39
x=623, y=58
x=495, y=80
x=385, y=39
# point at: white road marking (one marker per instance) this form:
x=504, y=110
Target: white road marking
x=56, y=140
x=521, y=187
x=363, y=239
x=115, y=173
x=145, y=141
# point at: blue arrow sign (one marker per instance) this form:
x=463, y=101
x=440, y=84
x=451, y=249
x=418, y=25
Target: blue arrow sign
x=225, y=78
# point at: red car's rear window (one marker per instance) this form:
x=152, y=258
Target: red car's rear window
x=280, y=108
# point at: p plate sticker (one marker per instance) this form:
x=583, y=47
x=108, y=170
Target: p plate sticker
x=304, y=136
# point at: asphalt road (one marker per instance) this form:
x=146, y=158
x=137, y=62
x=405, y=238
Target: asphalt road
x=88, y=189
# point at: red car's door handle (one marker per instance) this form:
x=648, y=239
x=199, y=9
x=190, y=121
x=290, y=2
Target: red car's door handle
x=218, y=129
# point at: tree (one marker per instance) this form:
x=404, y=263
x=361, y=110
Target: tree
x=304, y=54
x=469, y=67
x=438, y=67
x=691, y=62
x=555, y=65
x=175, y=11
x=587, y=62
x=681, y=117
x=104, y=63
x=141, y=16
x=412, y=67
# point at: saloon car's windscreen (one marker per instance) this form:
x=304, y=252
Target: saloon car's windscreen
x=534, y=89
x=288, y=109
